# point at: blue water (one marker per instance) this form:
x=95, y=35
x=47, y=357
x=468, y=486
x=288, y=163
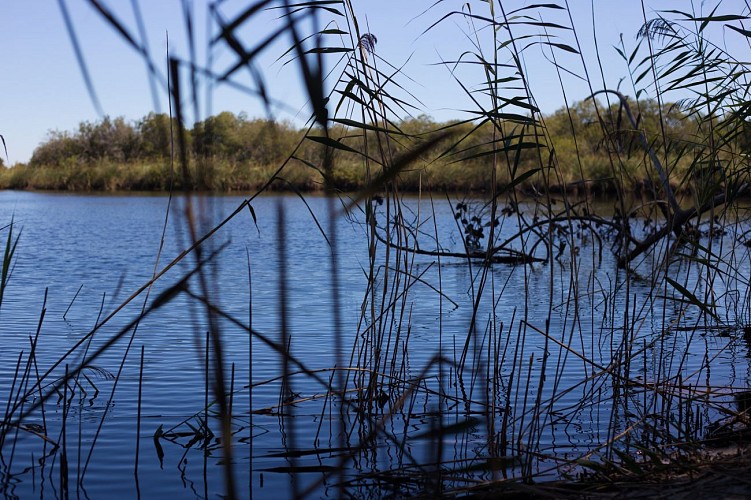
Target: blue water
x=548, y=332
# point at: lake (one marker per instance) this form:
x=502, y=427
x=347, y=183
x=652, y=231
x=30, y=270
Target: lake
x=455, y=373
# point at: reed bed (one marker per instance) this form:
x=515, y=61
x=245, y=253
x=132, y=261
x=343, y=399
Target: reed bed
x=625, y=295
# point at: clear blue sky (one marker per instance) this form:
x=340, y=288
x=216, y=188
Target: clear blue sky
x=42, y=88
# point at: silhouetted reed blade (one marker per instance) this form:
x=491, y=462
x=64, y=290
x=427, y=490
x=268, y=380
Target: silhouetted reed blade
x=509, y=302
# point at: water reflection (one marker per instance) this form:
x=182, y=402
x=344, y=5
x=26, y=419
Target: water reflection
x=558, y=357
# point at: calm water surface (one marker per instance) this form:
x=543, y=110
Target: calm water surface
x=88, y=253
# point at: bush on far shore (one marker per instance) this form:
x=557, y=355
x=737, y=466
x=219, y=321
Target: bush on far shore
x=229, y=152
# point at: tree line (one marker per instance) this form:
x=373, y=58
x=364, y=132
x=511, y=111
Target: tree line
x=226, y=136
x=588, y=142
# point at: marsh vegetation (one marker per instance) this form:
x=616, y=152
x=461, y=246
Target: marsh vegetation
x=115, y=155
x=369, y=342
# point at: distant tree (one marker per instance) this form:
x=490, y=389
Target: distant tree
x=155, y=135
x=265, y=142
x=109, y=139
x=217, y=136
x=59, y=148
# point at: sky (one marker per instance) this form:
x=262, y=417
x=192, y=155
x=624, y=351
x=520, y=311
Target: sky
x=42, y=88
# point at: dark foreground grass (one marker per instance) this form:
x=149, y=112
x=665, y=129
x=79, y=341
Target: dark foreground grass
x=713, y=474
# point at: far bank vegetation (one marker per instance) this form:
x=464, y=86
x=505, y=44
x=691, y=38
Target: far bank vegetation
x=231, y=152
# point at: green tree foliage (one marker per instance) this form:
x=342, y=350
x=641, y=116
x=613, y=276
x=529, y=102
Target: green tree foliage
x=590, y=141
x=109, y=139
x=217, y=136
x=60, y=148
x=155, y=135
x=590, y=136
x=113, y=140
x=235, y=138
